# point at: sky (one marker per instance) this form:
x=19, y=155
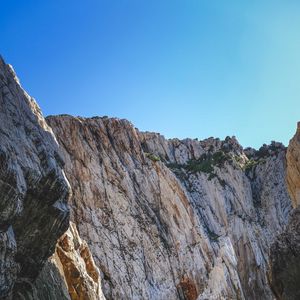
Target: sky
x=189, y=68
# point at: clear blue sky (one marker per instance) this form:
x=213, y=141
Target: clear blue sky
x=189, y=68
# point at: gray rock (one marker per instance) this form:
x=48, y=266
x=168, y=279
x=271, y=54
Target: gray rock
x=173, y=219
x=33, y=188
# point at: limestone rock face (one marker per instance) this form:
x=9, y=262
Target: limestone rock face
x=151, y=218
x=173, y=219
x=285, y=261
x=50, y=283
x=81, y=275
x=69, y=274
x=33, y=188
x=293, y=168
x=285, y=252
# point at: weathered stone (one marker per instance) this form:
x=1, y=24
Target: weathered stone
x=293, y=168
x=69, y=274
x=156, y=218
x=284, y=271
x=172, y=219
x=33, y=188
x=285, y=261
x=80, y=272
x=50, y=284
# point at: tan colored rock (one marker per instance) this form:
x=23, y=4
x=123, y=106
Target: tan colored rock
x=50, y=284
x=188, y=288
x=284, y=273
x=293, y=168
x=79, y=270
x=69, y=274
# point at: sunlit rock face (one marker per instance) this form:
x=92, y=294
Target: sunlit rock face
x=80, y=273
x=285, y=252
x=151, y=218
x=33, y=188
x=173, y=219
x=69, y=274
x=293, y=168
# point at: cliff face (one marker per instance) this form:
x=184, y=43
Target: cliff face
x=151, y=218
x=80, y=273
x=293, y=168
x=33, y=188
x=69, y=274
x=171, y=219
x=285, y=252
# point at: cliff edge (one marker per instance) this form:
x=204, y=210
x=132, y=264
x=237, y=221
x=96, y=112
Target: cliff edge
x=33, y=188
x=285, y=252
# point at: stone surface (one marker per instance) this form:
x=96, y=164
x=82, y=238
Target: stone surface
x=293, y=167
x=285, y=252
x=285, y=261
x=33, y=188
x=50, y=284
x=69, y=274
x=173, y=219
x=81, y=275
x=156, y=218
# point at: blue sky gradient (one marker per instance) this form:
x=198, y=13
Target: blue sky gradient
x=195, y=68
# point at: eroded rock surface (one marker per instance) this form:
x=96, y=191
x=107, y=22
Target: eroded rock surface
x=173, y=219
x=156, y=218
x=80, y=272
x=69, y=274
x=285, y=252
x=33, y=188
x=50, y=284
x=293, y=168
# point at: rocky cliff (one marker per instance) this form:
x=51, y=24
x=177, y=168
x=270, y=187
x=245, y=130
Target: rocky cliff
x=33, y=188
x=293, y=168
x=151, y=218
x=285, y=252
x=173, y=219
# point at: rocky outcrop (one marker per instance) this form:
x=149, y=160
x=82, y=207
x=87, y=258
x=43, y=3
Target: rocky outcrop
x=80, y=273
x=151, y=218
x=285, y=261
x=285, y=252
x=293, y=168
x=69, y=274
x=173, y=219
x=50, y=283
x=33, y=188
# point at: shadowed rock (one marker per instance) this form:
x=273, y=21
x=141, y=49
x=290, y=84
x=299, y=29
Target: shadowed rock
x=285, y=252
x=33, y=188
